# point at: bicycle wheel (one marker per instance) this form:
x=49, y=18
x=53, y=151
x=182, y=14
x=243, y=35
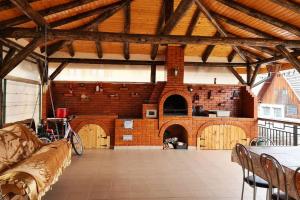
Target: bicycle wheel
x=76, y=143
x=45, y=140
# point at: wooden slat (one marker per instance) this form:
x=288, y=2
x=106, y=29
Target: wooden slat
x=288, y=4
x=58, y=70
x=258, y=15
x=25, y=7
x=20, y=56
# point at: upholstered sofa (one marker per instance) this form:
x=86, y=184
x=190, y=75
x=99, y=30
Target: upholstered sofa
x=28, y=167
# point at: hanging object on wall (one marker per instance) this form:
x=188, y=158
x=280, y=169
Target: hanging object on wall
x=196, y=98
x=135, y=94
x=215, y=80
x=114, y=96
x=190, y=89
x=84, y=97
x=176, y=71
x=123, y=87
x=235, y=94
x=209, y=95
x=99, y=88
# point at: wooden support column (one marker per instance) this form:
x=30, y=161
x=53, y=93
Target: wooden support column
x=249, y=72
x=293, y=60
x=43, y=71
x=71, y=49
x=127, y=30
x=236, y=74
x=20, y=56
x=153, y=73
x=58, y=70
x=231, y=56
x=256, y=70
x=1, y=89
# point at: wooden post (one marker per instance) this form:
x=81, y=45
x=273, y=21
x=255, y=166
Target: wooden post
x=1, y=88
x=153, y=73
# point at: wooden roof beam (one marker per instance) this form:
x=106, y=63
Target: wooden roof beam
x=231, y=56
x=25, y=7
x=261, y=16
x=160, y=25
x=275, y=58
x=180, y=11
x=209, y=49
x=254, y=75
x=102, y=17
x=219, y=28
x=11, y=52
x=21, y=55
x=288, y=4
x=5, y=5
x=126, y=30
x=193, y=23
x=139, y=62
x=58, y=70
x=236, y=74
x=67, y=35
x=292, y=59
x=71, y=50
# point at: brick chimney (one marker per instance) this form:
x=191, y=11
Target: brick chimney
x=175, y=65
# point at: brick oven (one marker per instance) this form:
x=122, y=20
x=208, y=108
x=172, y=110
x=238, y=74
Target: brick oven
x=161, y=110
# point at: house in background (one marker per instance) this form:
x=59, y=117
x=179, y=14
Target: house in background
x=279, y=95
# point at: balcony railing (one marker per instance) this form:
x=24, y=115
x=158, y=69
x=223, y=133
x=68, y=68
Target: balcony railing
x=281, y=133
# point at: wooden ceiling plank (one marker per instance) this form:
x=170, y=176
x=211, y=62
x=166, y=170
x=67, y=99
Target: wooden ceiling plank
x=127, y=30
x=193, y=23
x=139, y=62
x=45, y=12
x=292, y=59
x=5, y=5
x=102, y=17
x=180, y=11
x=219, y=28
x=58, y=70
x=25, y=7
x=288, y=4
x=261, y=16
x=11, y=52
x=64, y=35
x=236, y=74
x=160, y=25
x=82, y=15
x=21, y=55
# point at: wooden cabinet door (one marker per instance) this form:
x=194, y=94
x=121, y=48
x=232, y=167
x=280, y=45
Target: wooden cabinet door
x=221, y=136
x=94, y=137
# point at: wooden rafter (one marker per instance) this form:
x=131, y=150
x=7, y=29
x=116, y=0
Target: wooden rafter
x=219, y=28
x=53, y=34
x=153, y=73
x=236, y=74
x=193, y=22
x=209, y=49
x=45, y=12
x=288, y=4
x=261, y=16
x=71, y=49
x=292, y=59
x=231, y=56
x=98, y=44
x=102, y=17
x=254, y=75
x=58, y=70
x=180, y=11
x=139, y=62
x=126, y=30
x=159, y=26
x=21, y=55
x=275, y=58
x=25, y=7
x=11, y=52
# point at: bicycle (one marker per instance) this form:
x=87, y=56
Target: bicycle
x=67, y=133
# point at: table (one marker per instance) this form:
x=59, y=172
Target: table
x=289, y=157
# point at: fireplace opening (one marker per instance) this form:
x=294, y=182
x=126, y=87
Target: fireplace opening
x=175, y=137
x=175, y=105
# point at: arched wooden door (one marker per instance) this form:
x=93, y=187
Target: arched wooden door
x=221, y=137
x=94, y=137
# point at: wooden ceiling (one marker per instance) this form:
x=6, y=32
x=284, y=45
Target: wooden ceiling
x=270, y=19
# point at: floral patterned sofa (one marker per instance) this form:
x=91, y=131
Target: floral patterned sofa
x=28, y=167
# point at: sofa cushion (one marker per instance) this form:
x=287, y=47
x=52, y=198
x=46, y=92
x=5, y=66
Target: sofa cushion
x=17, y=142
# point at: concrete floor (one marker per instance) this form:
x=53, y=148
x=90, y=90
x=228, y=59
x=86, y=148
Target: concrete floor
x=151, y=175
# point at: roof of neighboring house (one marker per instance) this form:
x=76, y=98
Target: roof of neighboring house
x=293, y=79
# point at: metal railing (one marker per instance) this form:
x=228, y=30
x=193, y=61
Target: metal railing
x=281, y=133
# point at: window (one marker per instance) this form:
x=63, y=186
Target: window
x=291, y=110
x=278, y=113
x=266, y=111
